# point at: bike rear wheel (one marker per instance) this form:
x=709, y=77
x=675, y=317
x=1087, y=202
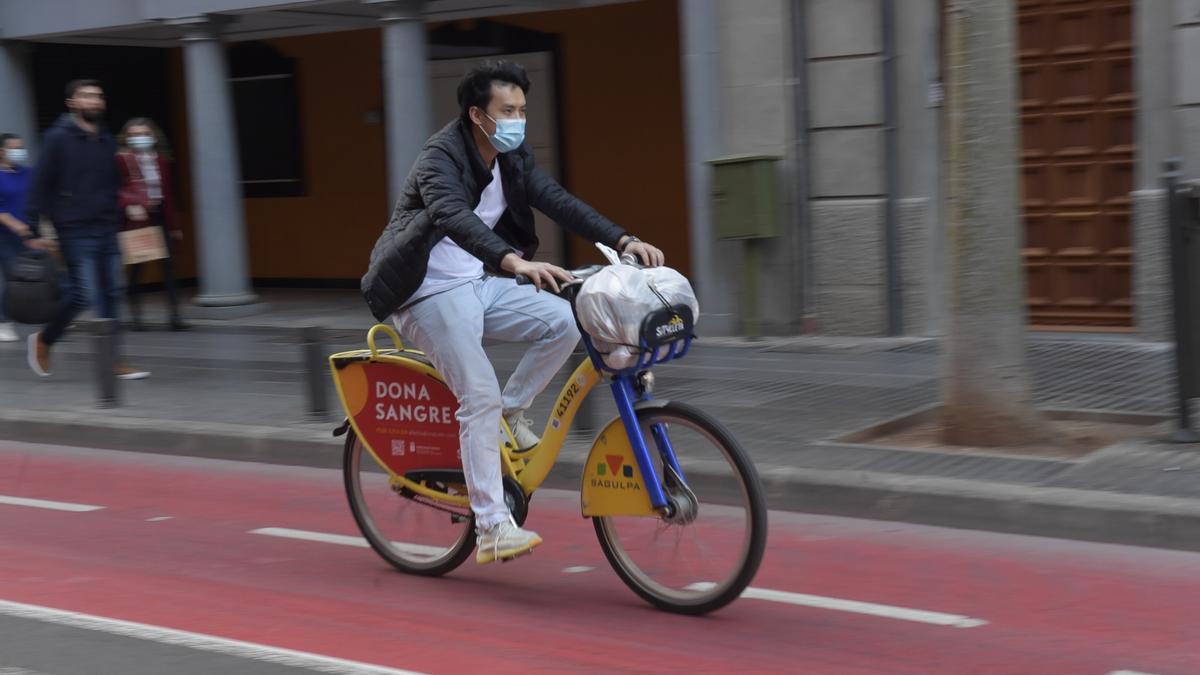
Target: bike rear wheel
x=702, y=564
x=405, y=530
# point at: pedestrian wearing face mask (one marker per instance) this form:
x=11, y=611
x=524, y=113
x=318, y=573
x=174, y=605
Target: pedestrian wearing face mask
x=75, y=185
x=147, y=200
x=15, y=234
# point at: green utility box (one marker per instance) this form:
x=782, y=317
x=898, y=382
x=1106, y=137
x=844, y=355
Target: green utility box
x=745, y=192
x=746, y=206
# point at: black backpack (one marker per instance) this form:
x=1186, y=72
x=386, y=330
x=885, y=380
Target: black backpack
x=32, y=292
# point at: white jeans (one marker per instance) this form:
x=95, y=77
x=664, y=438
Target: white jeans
x=450, y=326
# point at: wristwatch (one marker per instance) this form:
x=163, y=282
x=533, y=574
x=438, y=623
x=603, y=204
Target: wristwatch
x=629, y=241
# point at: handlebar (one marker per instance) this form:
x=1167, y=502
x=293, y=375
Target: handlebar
x=581, y=274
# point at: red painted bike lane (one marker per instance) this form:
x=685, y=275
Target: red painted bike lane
x=172, y=547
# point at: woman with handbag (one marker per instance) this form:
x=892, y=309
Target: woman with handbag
x=15, y=234
x=148, y=201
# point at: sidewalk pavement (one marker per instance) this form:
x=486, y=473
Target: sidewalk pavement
x=235, y=389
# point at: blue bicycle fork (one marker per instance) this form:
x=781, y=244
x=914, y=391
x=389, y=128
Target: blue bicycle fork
x=625, y=396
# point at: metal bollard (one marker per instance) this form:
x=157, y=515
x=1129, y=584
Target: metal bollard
x=1181, y=226
x=312, y=340
x=104, y=347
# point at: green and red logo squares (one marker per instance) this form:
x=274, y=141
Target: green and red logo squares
x=615, y=465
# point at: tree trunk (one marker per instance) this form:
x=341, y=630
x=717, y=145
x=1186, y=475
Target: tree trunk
x=987, y=390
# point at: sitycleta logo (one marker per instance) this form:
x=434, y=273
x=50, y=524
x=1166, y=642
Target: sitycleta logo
x=672, y=327
x=621, y=474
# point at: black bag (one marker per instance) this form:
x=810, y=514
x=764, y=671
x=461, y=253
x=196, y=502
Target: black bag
x=31, y=287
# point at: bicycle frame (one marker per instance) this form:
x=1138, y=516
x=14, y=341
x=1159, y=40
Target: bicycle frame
x=530, y=468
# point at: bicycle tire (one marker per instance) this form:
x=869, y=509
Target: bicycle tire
x=454, y=555
x=703, y=600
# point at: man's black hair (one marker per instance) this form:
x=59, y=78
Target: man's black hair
x=75, y=85
x=4, y=138
x=475, y=89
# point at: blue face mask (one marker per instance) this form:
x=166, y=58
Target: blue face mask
x=141, y=142
x=17, y=155
x=509, y=134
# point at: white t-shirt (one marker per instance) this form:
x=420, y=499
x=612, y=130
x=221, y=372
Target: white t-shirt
x=148, y=162
x=449, y=264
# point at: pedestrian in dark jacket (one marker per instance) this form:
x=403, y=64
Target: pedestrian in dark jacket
x=464, y=218
x=75, y=185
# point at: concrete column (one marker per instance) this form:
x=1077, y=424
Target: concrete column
x=760, y=98
x=17, y=114
x=699, y=32
x=1154, y=78
x=1157, y=139
x=847, y=165
x=918, y=44
x=407, y=98
x=1186, y=87
x=225, y=290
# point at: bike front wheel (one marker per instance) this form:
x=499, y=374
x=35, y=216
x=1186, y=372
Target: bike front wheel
x=704, y=556
x=406, y=530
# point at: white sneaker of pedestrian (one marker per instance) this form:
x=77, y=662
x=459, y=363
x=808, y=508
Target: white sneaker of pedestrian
x=504, y=541
x=7, y=333
x=38, y=355
x=127, y=373
x=522, y=430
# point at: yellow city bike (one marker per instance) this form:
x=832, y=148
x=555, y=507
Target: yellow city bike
x=675, y=501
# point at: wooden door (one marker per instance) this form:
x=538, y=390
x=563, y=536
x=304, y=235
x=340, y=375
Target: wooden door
x=1077, y=113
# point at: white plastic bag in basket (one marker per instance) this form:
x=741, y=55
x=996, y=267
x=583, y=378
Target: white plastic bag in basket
x=612, y=304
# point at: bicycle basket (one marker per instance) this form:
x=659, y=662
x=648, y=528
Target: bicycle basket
x=632, y=316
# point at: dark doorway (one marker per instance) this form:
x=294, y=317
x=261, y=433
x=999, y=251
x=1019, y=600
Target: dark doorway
x=134, y=79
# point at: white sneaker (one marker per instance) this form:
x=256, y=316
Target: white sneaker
x=504, y=541
x=127, y=373
x=522, y=430
x=7, y=334
x=38, y=355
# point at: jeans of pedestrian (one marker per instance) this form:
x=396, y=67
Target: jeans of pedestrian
x=93, y=278
x=450, y=327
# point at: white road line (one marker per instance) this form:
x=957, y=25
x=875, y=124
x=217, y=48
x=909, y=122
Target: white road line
x=821, y=602
x=45, y=504
x=208, y=643
x=344, y=540
x=578, y=569
x=855, y=606
x=158, y=519
x=19, y=671
x=1129, y=672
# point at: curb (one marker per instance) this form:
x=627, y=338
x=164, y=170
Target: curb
x=309, y=444
x=1063, y=513
x=1139, y=520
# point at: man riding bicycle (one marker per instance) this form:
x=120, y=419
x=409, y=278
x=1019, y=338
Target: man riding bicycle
x=463, y=220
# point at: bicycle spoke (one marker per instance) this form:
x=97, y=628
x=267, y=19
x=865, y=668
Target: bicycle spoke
x=701, y=562
x=411, y=532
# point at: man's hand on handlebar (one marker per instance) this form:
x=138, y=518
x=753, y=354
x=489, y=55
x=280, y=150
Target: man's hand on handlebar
x=649, y=256
x=542, y=275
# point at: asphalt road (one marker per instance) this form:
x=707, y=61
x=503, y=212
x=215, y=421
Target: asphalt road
x=132, y=563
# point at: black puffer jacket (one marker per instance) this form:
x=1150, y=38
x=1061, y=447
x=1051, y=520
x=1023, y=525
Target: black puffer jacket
x=439, y=200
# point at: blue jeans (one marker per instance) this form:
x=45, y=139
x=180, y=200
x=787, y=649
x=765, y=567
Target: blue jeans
x=450, y=327
x=93, y=277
